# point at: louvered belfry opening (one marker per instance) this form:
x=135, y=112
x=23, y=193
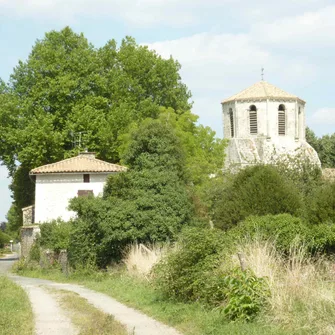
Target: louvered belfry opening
x=231, y=118
x=281, y=120
x=253, y=120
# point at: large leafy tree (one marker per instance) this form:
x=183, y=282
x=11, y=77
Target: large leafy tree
x=148, y=203
x=69, y=95
x=324, y=146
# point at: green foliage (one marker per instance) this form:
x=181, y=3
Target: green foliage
x=35, y=251
x=256, y=190
x=67, y=86
x=301, y=172
x=4, y=238
x=154, y=145
x=324, y=146
x=187, y=273
x=283, y=229
x=320, y=205
x=148, y=203
x=195, y=272
x=55, y=235
x=246, y=295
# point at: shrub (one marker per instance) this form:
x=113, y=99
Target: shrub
x=4, y=238
x=321, y=204
x=35, y=251
x=245, y=295
x=55, y=235
x=187, y=273
x=201, y=269
x=283, y=229
x=257, y=190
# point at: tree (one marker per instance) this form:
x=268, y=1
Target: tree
x=324, y=146
x=148, y=203
x=68, y=89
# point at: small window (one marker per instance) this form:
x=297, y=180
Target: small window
x=86, y=178
x=84, y=193
x=253, y=120
x=281, y=120
x=231, y=118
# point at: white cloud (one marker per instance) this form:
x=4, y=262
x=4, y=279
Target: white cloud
x=139, y=12
x=324, y=116
x=159, y=12
x=309, y=29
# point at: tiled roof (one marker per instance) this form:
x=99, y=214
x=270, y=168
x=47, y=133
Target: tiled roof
x=262, y=90
x=85, y=162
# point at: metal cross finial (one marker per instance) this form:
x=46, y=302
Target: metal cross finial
x=262, y=74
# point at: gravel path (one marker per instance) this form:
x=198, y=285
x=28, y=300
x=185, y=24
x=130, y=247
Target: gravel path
x=49, y=316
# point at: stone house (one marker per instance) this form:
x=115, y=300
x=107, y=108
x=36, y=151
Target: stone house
x=264, y=124
x=56, y=184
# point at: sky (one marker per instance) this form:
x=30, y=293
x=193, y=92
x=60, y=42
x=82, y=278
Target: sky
x=221, y=44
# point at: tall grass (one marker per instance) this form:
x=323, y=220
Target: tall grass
x=302, y=288
x=140, y=259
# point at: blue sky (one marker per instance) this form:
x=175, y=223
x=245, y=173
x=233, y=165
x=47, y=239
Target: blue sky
x=221, y=45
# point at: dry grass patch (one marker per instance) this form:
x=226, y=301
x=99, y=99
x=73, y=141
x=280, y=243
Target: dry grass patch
x=302, y=288
x=88, y=319
x=140, y=259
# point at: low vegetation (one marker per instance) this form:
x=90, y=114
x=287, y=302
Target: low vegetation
x=88, y=319
x=16, y=316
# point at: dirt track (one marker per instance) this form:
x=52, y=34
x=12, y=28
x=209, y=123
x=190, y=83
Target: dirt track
x=51, y=319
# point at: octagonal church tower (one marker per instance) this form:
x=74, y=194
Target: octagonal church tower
x=263, y=124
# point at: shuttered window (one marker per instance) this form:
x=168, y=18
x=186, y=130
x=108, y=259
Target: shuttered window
x=253, y=120
x=231, y=118
x=281, y=120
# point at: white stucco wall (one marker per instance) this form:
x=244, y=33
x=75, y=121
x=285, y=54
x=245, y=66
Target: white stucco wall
x=53, y=192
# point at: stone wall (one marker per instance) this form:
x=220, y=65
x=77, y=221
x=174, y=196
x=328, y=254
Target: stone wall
x=28, y=214
x=28, y=236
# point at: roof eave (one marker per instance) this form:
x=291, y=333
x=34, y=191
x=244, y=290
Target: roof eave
x=262, y=99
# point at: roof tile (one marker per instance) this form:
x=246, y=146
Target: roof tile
x=81, y=163
x=262, y=90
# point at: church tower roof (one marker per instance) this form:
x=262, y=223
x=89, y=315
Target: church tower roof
x=263, y=90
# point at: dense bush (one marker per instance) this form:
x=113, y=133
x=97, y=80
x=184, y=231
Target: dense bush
x=285, y=230
x=55, y=235
x=200, y=270
x=183, y=273
x=257, y=190
x=4, y=238
x=320, y=205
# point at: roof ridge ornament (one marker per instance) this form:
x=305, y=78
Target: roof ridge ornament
x=262, y=73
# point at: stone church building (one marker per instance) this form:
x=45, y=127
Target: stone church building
x=265, y=124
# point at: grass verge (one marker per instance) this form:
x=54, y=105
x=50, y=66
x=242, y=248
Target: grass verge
x=190, y=319
x=88, y=319
x=16, y=316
